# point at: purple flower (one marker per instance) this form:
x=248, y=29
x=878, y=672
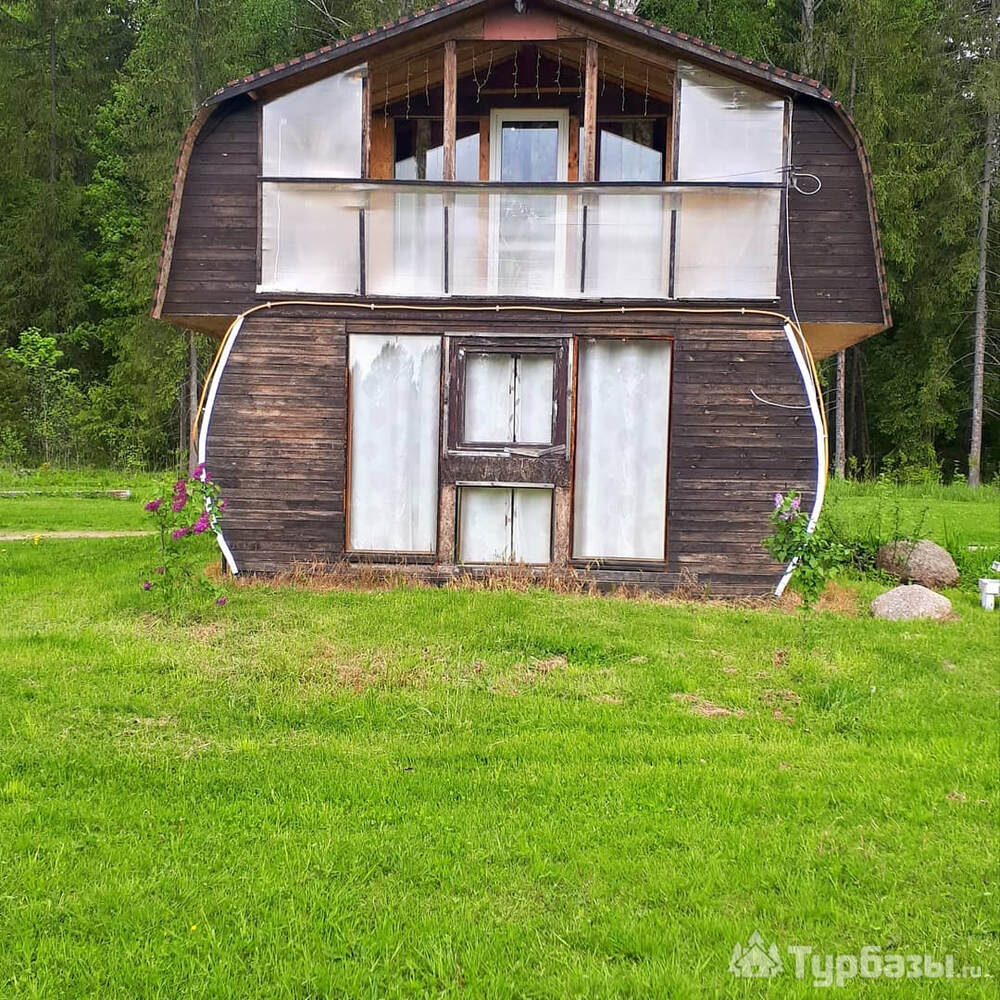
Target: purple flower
x=179, y=534
x=778, y=500
x=221, y=601
x=154, y=505
x=200, y=473
x=147, y=586
x=795, y=503
x=201, y=524
x=223, y=504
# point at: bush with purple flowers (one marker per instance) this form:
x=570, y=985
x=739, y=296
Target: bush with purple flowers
x=817, y=556
x=187, y=515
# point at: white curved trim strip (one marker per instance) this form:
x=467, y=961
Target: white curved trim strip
x=809, y=383
x=206, y=419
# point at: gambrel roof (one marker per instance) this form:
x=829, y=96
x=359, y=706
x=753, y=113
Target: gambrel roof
x=357, y=48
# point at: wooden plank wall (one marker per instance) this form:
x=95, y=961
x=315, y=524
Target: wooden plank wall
x=214, y=267
x=277, y=438
x=834, y=270
x=277, y=441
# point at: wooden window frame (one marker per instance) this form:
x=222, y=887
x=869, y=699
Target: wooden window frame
x=460, y=347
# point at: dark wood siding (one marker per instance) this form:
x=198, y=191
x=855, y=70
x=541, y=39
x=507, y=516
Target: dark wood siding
x=214, y=265
x=834, y=268
x=276, y=441
x=277, y=438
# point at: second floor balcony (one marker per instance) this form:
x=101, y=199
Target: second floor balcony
x=679, y=240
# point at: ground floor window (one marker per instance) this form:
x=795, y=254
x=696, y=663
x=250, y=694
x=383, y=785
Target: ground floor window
x=504, y=524
x=395, y=402
x=620, y=480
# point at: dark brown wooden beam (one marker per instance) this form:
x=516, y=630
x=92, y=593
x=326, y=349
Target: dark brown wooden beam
x=589, y=166
x=450, y=86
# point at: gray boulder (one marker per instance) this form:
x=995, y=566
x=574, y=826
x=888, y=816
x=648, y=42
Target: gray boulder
x=920, y=562
x=912, y=601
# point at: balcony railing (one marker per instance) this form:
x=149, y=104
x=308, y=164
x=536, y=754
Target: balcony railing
x=561, y=241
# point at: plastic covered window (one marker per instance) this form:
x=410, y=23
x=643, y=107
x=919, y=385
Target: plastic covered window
x=508, y=398
x=395, y=405
x=505, y=524
x=315, y=131
x=620, y=489
x=727, y=131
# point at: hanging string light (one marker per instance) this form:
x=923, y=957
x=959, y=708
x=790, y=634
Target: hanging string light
x=623, y=86
x=515, y=74
x=604, y=75
x=559, y=71
x=385, y=110
x=475, y=79
x=579, y=73
x=645, y=98
x=427, y=81
x=538, y=73
x=407, y=113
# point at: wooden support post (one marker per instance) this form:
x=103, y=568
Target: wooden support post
x=588, y=171
x=366, y=126
x=450, y=84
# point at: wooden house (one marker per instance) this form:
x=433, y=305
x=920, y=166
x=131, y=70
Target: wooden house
x=537, y=283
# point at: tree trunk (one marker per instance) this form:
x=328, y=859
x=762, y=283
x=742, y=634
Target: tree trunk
x=53, y=165
x=839, y=451
x=839, y=455
x=979, y=348
x=807, y=31
x=192, y=401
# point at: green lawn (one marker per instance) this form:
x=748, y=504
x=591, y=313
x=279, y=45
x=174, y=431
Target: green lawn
x=444, y=792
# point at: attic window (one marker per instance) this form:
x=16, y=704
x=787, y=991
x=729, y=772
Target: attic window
x=728, y=131
x=315, y=131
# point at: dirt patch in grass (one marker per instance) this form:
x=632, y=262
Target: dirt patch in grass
x=705, y=708
x=837, y=598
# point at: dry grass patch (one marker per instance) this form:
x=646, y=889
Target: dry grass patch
x=705, y=708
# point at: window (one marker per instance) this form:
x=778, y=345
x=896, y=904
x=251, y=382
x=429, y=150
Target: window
x=315, y=131
x=620, y=484
x=395, y=399
x=499, y=524
x=727, y=130
x=507, y=395
x=420, y=149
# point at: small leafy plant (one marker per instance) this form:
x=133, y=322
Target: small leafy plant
x=817, y=556
x=187, y=522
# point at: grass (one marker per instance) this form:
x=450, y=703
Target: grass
x=418, y=792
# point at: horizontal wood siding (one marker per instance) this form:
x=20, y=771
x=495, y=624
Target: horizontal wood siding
x=834, y=268
x=277, y=440
x=214, y=265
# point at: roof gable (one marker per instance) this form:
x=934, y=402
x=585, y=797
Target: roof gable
x=675, y=42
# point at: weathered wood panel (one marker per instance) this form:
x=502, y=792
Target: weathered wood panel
x=831, y=238
x=214, y=265
x=277, y=441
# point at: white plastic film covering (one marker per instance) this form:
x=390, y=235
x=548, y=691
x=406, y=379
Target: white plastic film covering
x=620, y=490
x=508, y=398
x=489, y=397
x=627, y=247
x=315, y=131
x=505, y=524
x=727, y=244
x=310, y=238
x=395, y=402
x=404, y=239
x=727, y=130
x=515, y=244
x=533, y=398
